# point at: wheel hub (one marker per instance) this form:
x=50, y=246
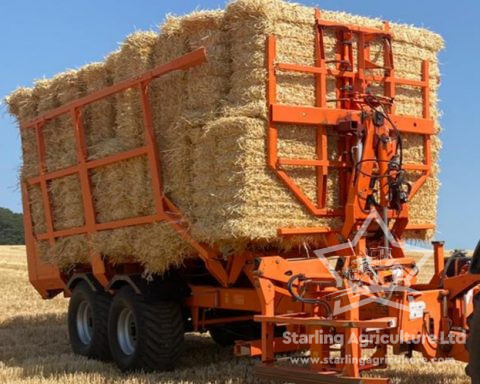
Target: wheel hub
x=127, y=331
x=85, y=322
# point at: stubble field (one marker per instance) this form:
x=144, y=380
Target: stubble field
x=34, y=346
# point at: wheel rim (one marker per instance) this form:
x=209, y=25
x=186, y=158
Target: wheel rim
x=127, y=331
x=85, y=322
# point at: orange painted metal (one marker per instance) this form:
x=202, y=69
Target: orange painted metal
x=347, y=110
x=303, y=319
x=254, y=348
x=45, y=278
x=245, y=299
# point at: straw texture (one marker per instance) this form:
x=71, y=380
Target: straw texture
x=210, y=126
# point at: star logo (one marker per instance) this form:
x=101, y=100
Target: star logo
x=361, y=279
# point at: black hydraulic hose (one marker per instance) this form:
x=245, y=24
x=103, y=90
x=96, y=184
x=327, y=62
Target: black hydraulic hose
x=305, y=300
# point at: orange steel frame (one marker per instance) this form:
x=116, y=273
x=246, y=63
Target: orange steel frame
x=321, y=115
x=47, y=279
x=259, y=283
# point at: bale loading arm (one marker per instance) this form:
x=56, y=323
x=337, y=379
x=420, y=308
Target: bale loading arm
x=372, y=288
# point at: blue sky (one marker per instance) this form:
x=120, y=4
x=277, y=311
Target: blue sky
x=41, y=38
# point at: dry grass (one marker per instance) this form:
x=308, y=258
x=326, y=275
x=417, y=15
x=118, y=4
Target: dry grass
x=34, y=346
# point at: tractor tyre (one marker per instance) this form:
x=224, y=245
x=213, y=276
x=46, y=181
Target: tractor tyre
x=473, y=342
x=144, y=335
x=88, y=321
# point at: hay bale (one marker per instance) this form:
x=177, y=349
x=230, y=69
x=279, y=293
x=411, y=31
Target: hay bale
x=23, y=105
x=133, y=58
x=99, y=117
x=210, y=125
x=39, y=221
x=59, y=133
x=156, y=246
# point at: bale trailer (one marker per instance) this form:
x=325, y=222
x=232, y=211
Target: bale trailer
x=359, y=283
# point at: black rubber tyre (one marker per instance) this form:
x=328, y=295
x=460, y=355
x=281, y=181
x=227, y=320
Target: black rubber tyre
x=473, y=342
x=144, y=335
x=88, y=322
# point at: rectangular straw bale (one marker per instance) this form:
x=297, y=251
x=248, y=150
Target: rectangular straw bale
x=206, y=85
x=132, y=59
x=37, y=210
x=59, y=134
x=99, y=117
x=199, y=93
x=23, y=105
x=167, y=92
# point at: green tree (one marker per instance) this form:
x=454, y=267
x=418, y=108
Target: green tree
x=11, y=227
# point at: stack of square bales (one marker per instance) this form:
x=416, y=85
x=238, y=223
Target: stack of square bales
x=210, y=125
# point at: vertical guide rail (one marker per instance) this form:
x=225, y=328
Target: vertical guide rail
x=45, y=278
x=321, y=101
x=427, y=148
x=98, y=265
x=42, y=167
x=152, y=151
x=390, y=87
x=272, y=132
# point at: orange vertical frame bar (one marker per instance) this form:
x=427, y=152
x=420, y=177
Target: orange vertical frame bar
x=46, y=278
x=43, y=182
x=153, y=157
x=98, y=265
x=272, y=133
x=321, y=101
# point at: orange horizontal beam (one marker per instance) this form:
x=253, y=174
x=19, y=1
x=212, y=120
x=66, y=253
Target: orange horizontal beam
x=417, y=125
x=349, y=74
x=54, y=175
x=312, y=163
x=189, y=60
x=290, y=114
x=117, y=157
x=416, y=227
x=323, y=230
x=245, y=299
x=128, y=222
x=382, y=323
x=305, y=231
x=62, y=233
x=415, y=167
x=355, y=28
x=102, y=226
x=90, y=165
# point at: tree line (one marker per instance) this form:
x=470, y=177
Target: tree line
x=11, y=227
